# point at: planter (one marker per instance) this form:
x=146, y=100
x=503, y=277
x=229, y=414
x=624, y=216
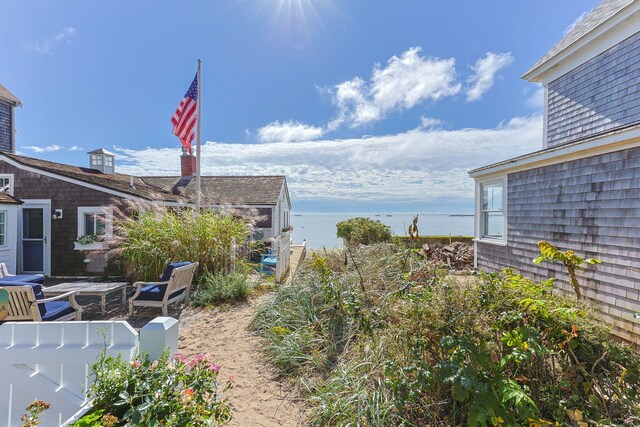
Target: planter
x=95, y=246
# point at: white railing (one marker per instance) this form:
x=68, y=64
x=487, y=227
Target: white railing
x=51, y=361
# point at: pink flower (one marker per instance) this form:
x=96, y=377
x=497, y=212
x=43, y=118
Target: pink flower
x=180, y=358
x=136, y=363
x=214, y=367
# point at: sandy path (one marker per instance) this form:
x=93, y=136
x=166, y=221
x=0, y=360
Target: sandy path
x=257, y=398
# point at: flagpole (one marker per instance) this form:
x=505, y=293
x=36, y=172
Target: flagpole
x=198, y=140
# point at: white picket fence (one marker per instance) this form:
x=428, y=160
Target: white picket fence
x=51, y=361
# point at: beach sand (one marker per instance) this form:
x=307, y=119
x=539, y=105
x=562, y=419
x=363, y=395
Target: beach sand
x=258, y=397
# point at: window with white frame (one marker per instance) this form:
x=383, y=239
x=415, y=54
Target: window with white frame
x=96, y=160
x=108, y=161
x=95, y=220
x=6, y=183
x=3, y=228
x=492, y=210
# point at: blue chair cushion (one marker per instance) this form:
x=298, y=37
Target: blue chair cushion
x=56, y=309
x=25, y=278
x=153, y=292
x=37, y=291
x=167, y=273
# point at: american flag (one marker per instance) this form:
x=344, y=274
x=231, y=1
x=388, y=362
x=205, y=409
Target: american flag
x=184, y=119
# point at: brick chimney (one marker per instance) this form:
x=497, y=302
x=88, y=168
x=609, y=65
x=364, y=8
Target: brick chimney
x=187, y=163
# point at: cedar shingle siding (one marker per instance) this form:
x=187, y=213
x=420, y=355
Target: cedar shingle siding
x=600, y=95
x=5, y=126
x=588, y=205
x=65, y=261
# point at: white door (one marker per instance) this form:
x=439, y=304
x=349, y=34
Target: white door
x=35, y=236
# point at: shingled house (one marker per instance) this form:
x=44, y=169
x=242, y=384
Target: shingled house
x=581, y=191
x=8, y=103
x=58, y=203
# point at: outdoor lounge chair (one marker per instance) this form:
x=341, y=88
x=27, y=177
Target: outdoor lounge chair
x=174, y=286
x=5, y=276
x=27, y=302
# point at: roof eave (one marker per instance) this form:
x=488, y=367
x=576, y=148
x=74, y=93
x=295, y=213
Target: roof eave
x=535, y=74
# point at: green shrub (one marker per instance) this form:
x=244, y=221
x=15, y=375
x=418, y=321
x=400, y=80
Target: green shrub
x=148, y=236
x=171, y=391
x=217, y=288
x=363, y=231
x=389, y=339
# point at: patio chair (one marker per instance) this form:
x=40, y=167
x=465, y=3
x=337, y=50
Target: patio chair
x=5, y=276
x=27, y=302
x=174, y=286
x=268, y=263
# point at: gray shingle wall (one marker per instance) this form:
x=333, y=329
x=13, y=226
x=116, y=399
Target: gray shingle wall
x=600, y=95
x=5, y=127
x=591, y=206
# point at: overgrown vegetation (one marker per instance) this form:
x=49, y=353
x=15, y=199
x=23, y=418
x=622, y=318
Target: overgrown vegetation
x=148, y=236
x=218, y=288
x=170, y=391
x=569, y=259
x=363, y=231
x=392, y=340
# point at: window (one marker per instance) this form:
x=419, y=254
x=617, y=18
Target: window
x=96, y=160
x=6, y=183
x=108, y=161
x=492, y=224
x=95, y=220
x=3, y=228
x=94, y=223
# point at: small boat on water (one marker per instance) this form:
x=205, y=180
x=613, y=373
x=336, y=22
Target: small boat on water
x=388, y=215
x=297, y=214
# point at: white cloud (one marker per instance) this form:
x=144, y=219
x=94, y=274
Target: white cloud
x=484, y=72
x=64, y=36
x=420, y=165
x=289, y=132
x=404, y=82
x=536, y=100
x=47, y=149
x=75, y=148
x=429, y=122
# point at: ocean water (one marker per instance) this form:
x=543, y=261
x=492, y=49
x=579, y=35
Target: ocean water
x=319, y=229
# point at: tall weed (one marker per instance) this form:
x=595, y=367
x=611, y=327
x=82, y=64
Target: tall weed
x=379, y=337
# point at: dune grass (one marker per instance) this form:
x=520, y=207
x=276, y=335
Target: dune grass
x=389, y=339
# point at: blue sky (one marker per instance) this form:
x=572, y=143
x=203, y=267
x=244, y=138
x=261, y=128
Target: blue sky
x=364, y=105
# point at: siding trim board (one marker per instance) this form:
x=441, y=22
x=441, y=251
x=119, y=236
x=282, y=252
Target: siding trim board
x=614, y=141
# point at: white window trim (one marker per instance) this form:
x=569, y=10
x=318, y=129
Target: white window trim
x=478, y=211
x=6, y=217
x=108, y=226
x=11, y=180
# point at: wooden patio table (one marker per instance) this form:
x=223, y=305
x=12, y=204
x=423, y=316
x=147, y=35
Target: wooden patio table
x=100, y=289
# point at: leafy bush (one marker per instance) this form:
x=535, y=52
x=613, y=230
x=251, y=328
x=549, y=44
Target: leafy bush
x=216, y=288
x=169, y=391
x=363, y=231
x=148, y=236
x=392, y=340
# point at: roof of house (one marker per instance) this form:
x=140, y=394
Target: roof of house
x=221, y=190
x=8, y=199
x=600, y=14
x=118, y=182
x=7, y=96
x=101, y=151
